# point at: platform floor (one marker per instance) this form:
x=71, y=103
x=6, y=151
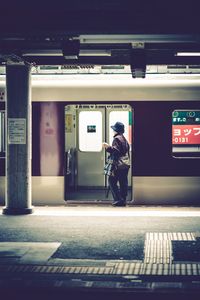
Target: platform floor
x=103, y=250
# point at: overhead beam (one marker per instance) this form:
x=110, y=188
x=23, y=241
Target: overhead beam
x=124, y=60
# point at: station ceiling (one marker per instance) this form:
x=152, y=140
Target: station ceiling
x=107, y=32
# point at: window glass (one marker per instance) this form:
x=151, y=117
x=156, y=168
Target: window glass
x=2, y=132
x=125, y=117
x=90, y=131
x=186, y=133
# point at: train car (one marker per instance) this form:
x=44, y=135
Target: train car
x=71, y=117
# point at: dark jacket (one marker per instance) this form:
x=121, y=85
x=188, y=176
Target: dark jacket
x=119, y=146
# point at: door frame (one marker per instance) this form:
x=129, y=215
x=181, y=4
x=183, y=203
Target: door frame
x=106, y=106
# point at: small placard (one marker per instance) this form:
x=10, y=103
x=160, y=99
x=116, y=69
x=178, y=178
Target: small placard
x=91, y=128
x=68, y=123
x=16, y=131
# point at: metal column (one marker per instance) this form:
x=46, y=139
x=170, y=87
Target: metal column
x=18, y=140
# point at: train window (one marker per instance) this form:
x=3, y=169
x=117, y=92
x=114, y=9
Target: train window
x=90, y=131
x=121, y=116
x=2, y=133
x=186, y=133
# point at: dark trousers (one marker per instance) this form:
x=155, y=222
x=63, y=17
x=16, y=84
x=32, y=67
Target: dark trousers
x=119, y=194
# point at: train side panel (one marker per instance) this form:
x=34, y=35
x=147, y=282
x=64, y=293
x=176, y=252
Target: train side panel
x=158, y=177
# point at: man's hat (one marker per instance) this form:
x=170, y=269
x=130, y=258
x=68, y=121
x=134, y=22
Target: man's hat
x=118, y=127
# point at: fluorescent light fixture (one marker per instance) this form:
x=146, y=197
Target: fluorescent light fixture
x=41, y=52
x=95, y=53
x=60, y=53
x=188, y=54
x=136, y=38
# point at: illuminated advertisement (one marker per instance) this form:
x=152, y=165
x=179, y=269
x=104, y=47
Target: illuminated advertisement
x=186, y=128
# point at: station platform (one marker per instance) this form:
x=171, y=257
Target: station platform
x=86, y=251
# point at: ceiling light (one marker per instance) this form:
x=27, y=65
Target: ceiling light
x=95, y=53
x=188, y=54
x=57, y=52
x=41, y=52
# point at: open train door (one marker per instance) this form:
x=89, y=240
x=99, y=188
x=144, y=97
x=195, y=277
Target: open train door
x=86, y=127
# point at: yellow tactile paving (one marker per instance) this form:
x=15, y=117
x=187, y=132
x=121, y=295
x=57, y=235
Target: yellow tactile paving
x=158, y=260
x=185, y=269
x=158, y=247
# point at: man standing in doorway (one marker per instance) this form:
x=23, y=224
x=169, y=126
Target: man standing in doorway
x=118, y=169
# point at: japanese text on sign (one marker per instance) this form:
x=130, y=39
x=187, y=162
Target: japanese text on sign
x=186, y=134
x=16, y=131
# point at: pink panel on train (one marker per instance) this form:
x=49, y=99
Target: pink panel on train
x=49, y=140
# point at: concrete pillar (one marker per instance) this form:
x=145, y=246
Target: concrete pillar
x=18, y=140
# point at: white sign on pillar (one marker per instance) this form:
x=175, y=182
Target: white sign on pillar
x=16, y=131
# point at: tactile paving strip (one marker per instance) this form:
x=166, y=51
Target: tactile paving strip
x=157, y=261
x=175, y=236
x=137, y=268
x=158, y=246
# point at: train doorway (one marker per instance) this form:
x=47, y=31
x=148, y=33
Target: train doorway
x=86, y=127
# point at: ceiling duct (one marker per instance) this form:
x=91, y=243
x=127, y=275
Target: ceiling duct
x=138, y=63
x=71, y=49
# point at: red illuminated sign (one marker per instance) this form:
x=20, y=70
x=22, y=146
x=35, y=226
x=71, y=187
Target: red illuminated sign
x=186, y=134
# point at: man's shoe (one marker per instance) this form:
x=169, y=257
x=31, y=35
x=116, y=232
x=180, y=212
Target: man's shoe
x=115, y=203
x=118, y=203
